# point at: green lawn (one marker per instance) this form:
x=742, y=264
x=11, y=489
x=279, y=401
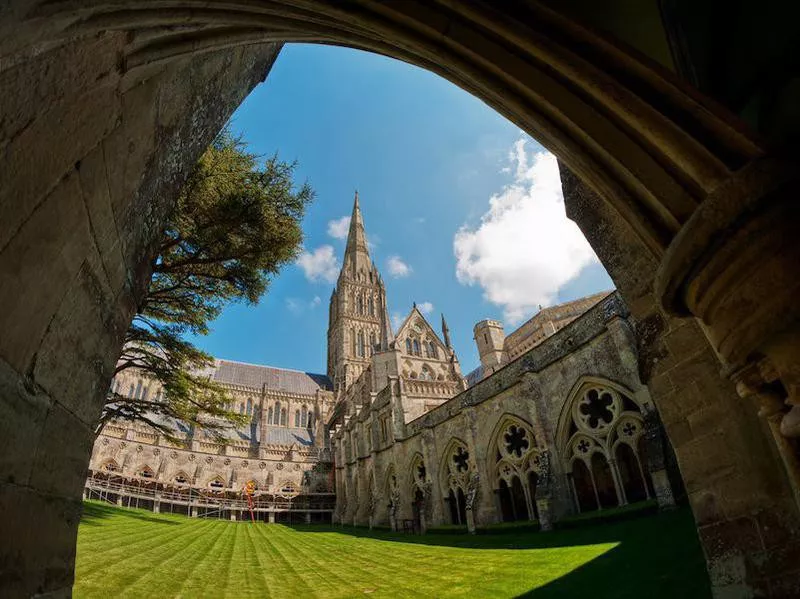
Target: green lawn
x=133, y=553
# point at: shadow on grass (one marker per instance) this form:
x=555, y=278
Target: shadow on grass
x=656, y=556
x=94, y=512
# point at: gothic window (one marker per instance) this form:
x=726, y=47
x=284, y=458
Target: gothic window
x=416, y=348
x=181, y=479
x=409, y=349
x=353, y=338
x=311, y=420
x=361, y=344
x=138, y=390
x=283, y=417
x=147, y=472
x=518, y=464
x=360, y=305
x=269, y=416
x=373, y=346
x=216, y=484
x=249, y=407
x=131, y=391
x=297, y=418
x=277, y=415
x=601, y=448
x=304, y=419
x=111, y=466
x=432, y=350
x=371, y=306
x=145, y=393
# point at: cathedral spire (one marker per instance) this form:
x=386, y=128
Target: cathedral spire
x=446, y=333
x=356, y=239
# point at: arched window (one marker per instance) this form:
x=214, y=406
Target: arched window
x=277, y=416
x=304, y=419
x=517, y=466
x=408, y=346
x=360, y=305
x=433, y=353
x=361, y=352
x=297, y=418
x=138, y=390
x=417, y=351
x=269, y=416
x=145, y=393
x=353, y=342
x=310, y=420
x=372, y=344
x=601, y=443
x=249, y=407
x=283, y=417
x=371, y=306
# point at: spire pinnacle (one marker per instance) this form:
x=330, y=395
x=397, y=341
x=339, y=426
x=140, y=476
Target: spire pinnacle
x=357, y=240
x=446, y=333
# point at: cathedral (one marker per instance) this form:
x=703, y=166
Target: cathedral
x=554, y=422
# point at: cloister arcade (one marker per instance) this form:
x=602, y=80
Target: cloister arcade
x=675, y=130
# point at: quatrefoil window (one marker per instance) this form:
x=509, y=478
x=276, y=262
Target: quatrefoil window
x=460, y=459
x=516, y=441
x=629, y=428
x=583, y=446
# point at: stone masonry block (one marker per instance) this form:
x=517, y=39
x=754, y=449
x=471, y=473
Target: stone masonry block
x=62, y=455
x=28, y=516
x=94, y=186
x=22, y=416
x=39, y=158
x=50, y=247
x=89, y=328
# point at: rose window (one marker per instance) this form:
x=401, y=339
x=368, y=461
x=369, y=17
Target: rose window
x=597, y=410
x=460, y=459
x=516, y=441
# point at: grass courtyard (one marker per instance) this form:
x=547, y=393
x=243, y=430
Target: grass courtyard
x=133, y=553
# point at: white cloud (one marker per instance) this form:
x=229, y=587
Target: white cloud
x=339, y=227
x=298, y=306
x=425, y=307
x=525, y=249
x=397, y=320
x=319, y=265
x=397, y=268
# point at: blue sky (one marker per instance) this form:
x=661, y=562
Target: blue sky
x=462, y=210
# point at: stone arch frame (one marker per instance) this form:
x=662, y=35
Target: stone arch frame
x=537, y=46
x=455, y=481
x=584, y=443
x=107, y=462
x=520, y=466
x=414, y=480
x=182, y=473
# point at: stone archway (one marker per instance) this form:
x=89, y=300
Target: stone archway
x=111, y=105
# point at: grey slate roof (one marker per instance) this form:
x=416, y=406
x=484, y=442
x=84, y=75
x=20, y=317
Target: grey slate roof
x=280, y=435
x=276, y=379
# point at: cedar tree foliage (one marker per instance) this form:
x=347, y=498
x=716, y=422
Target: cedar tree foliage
x=236, y=223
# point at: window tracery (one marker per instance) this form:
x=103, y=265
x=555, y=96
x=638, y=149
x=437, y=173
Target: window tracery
x=603, y=450
x=517, y=469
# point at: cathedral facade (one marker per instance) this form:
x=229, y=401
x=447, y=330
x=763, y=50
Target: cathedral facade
x=555, y=421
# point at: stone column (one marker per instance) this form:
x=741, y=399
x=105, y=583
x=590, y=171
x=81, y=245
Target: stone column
x=544, y=489
x=194, y=511
x=656, y=465
x=308, y=517
x=157, y=504
x=471, y=497
x=272, y=517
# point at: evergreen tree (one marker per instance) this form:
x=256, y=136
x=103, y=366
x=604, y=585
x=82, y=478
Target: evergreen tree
x=236, y=223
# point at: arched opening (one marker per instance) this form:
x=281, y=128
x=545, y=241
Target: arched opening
x=655, y=169
x=533, y=479
x=630, y=474
x=584, y=488
x=604, y=481
x=457, y=506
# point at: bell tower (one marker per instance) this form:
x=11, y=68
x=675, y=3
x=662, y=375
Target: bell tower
x=358, y=324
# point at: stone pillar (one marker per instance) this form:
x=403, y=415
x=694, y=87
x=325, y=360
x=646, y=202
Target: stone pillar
x=308, y=517
x=656, y=465
x=543, y=507
x=194, y=512
x=157, y=504
x=233, y=515
x=119, y=500
x=272, y=517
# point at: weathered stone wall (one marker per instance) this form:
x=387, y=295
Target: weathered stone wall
x=90, y=164
x=537, y=390
x=742, y=503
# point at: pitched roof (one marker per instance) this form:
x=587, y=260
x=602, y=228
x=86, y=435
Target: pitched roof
x=275, y=379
